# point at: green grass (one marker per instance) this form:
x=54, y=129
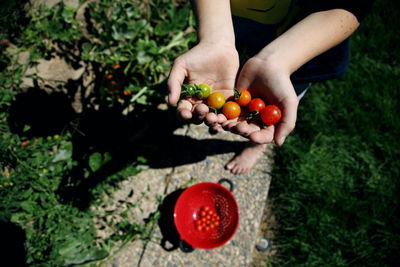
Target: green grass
x=336, y=183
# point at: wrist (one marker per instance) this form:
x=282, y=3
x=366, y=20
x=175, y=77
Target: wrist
x=273, y=62
x=217, y=42
x=214, y=21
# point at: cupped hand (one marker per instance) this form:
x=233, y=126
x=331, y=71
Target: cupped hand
x=214, y=64
x=267, y=80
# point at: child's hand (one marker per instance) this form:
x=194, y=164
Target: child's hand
x=267, y=80
x=210, y=63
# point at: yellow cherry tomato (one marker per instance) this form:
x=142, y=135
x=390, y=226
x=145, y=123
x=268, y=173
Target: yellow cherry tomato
x=216, y=100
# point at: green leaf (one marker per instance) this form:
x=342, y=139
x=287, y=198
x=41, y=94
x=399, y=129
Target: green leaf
x=62, y=155
x=74, y=252
x=141, y=159
x=26, y=128
x=142, y=57
x=95, y=161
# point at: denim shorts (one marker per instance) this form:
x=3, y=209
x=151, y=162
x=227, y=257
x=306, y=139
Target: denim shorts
x=252, y=36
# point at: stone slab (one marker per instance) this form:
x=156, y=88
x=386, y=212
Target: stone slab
x=250, y=192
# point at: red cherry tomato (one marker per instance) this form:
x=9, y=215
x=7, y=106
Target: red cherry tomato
x=242, y=97
x=231, y=110
x=270, y=115
x=257, y=104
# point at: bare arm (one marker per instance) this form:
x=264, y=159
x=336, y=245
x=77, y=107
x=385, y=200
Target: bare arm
x=214, y=21
x=310, y=37
x=268, y=73
x=214, y=60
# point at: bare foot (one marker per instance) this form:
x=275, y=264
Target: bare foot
x=245, y=161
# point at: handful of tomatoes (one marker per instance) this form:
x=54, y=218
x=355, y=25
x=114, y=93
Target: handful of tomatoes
x=233, y=108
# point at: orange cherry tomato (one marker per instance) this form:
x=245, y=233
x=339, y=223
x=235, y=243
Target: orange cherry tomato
x=127, y=92
x=216, y=100
x=231, y=110
x=25, y=143
x=242, y=97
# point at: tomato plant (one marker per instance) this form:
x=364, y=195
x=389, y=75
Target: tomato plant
x=242, y=97
x=231, y=110
x=270, y=115
x=256, y=105
x=216, y=100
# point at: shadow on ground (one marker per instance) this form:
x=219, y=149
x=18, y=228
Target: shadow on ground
x=170, y=240
x=146, y=132
x=12, y=242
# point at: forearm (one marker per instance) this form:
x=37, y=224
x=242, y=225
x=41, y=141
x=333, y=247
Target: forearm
x=214, y=21
x=309, y=38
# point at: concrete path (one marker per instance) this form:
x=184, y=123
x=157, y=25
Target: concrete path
x=204, y=162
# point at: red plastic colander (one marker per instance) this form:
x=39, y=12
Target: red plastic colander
x=220, y=200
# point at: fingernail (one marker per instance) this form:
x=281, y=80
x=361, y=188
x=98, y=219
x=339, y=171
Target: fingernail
x=282, y=140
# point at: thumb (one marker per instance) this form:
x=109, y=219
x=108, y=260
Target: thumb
x=288, y=121
x=175, y=81
x=244, y=80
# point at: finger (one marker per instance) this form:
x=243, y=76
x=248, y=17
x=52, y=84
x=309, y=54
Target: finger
x=245, y=129
x=221, y=118
x=229, y=125
x=200, y=111
x=244, y=80
x=184, y=109
x=211, y=119
x=215, y=129
x=263, y=136
x=175, y=81
x=288, y=121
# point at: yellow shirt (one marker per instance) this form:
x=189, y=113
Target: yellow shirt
x=262, y=11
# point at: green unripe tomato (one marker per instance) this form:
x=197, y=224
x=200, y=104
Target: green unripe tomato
x=203, y=90
x=188, y=89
